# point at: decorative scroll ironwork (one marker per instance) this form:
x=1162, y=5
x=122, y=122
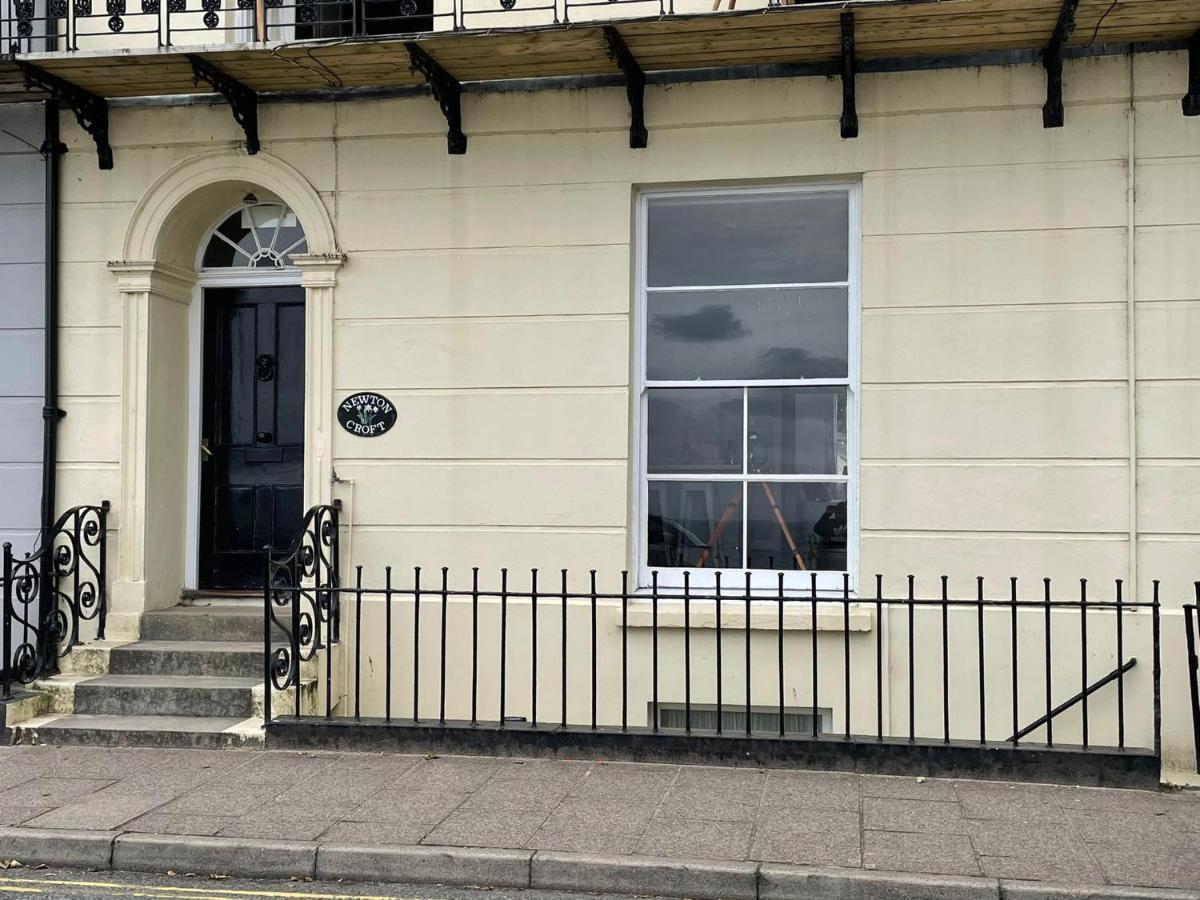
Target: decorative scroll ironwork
x=24, y=13
x=91, y=111
x=242, y=100
x=300, y=598
x=116, y=11
x=50, y=593
x=57, y=9
x=446, y=91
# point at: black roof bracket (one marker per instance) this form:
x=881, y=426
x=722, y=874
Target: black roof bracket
x=1191, y=103
x=446, y=91
x=1053, y=114
x=849, y=106
x=91, y=110
x=242, y=100
x=635, y=86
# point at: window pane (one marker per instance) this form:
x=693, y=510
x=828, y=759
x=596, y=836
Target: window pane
x=744, y=335
x=693, y=524
x=813, y=517
x=797, y=431
x=752, y=238
x=694, y=430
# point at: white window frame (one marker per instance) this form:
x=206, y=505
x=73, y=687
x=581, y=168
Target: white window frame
x=762, y=581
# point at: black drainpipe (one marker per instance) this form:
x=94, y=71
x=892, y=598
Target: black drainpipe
x=51, y=149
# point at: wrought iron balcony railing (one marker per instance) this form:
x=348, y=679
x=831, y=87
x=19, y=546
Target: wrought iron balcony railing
x=37, y=26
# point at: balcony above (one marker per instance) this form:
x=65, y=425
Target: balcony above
x=246, y=49
x=111, y=49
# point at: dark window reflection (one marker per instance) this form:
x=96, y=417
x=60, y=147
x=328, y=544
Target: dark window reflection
x=741, y=335
x=694, y=430
x=756, y=238
x=692, y=524
x=797, y=526
x=797, y=431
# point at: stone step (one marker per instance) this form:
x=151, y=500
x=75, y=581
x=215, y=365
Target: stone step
x=210, y=732
x=239, y=623
x=236, y=659
x=165, y=695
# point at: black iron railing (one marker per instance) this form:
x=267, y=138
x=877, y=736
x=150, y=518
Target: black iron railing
x=301, y=600
x=1191, y=622
x=27, y=26
x=1048, y=671
x=50, y=593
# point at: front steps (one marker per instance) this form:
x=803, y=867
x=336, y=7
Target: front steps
x=193, y=679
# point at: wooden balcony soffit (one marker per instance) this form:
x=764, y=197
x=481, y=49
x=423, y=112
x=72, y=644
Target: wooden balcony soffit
x=826, y=36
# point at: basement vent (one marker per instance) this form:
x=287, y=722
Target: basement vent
x=673, y=717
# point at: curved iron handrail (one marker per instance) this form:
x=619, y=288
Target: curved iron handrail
x=49, y=592
x=303, y=580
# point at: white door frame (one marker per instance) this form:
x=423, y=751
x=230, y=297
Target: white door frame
x=241, y=278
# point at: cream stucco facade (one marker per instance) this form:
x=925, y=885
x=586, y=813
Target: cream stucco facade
x=1030, y=299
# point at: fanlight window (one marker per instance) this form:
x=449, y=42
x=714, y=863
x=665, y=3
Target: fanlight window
x=257, y=236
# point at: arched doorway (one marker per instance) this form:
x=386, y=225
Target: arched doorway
x=251, y=480
x=162, y=279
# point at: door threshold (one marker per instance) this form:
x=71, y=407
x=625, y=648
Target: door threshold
x=215, y=597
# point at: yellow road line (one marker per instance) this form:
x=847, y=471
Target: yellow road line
x=20, y=890
x=172, y=891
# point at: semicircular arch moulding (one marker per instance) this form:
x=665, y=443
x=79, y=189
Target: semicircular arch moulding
x=179, y=209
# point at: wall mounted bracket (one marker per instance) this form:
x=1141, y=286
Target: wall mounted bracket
x=849, y=106
x=1053, y=114
x=1191, y=102
x=446, y=91
x=242, y=99
x=635, y=86
x=91, y=110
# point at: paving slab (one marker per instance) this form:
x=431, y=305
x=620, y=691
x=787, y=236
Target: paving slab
x=159, y=823
x=925, y=816
x=815, y=837
x=901, y=851
x=481, y=828
x=696, y=839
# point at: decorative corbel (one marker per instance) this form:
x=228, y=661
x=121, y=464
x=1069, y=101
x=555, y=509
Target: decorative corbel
x=242, y=99
x=446, y=91
x=91, y=110
x=849, y=107
x=635, y=86
x=1191, y=102
x=1052, y=59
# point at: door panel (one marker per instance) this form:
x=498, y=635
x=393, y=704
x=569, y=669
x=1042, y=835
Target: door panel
x=252, y=484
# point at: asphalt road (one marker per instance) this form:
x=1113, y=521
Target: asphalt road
x=16, y=883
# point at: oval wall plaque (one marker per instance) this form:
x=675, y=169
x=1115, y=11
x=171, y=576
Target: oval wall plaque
x=366, y=414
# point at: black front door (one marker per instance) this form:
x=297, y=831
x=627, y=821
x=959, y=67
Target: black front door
x=252, y=456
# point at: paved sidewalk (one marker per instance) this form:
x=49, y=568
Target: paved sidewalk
x=589, y=813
